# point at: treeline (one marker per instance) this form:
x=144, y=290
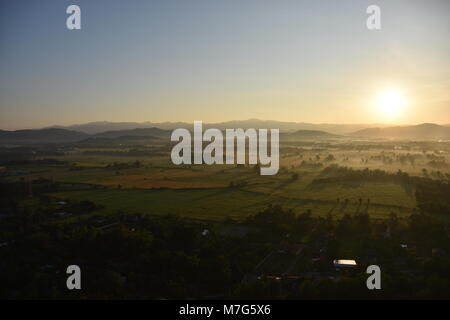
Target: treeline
x=46, y=161
x=160, y=258
x=335, y=173
x=431, y=195
x=124, y=165
x=23, y=155
x=167, y=257
x=412, y=252
x=154, y=152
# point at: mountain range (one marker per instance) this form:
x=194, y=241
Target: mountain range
x=87, y=134
x=51, y=135
x=99, y=127
x=425, y=131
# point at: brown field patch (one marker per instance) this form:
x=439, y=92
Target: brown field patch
x=145, y=182
x=173, y=174
x=261, y=189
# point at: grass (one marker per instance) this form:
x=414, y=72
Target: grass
x=207, y=204
x=216, y=203
x=203, y=192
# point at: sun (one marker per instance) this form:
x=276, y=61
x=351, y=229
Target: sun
x=390, y=102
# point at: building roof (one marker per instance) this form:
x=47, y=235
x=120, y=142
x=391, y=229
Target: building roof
x=344, y=263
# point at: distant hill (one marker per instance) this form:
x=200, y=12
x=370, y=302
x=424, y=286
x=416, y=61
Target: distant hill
x=154, y=131
x=425, y=131
x=105, y=126
x=100, y=127
x=307, y=134
x=118, y=141
x=56, y=135
x=291, y=126
x=138, y=132
x=52, y=135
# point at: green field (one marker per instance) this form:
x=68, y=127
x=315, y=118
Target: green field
x=227, y=191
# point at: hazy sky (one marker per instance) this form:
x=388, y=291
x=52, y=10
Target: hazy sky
x=218, y=60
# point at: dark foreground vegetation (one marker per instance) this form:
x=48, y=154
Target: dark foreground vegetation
x=274, y=254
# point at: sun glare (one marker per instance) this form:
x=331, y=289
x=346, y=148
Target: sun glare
x=390, y=102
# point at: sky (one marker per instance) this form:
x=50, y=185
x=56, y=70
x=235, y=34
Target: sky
x=287, y=60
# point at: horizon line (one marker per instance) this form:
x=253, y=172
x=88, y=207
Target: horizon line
x=221, y=122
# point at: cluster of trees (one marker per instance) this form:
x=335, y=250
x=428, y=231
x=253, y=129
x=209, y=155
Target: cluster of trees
x=123, y=165
x=438, y=164
x=310, y=165
x=433, y=196
x=159, y=258
x=339, y=174
x=389, y=158
x=435, y=174
x=169, y=257
x=237, y=184
x=131, y=152
x=403, y=248
x=14, y=156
